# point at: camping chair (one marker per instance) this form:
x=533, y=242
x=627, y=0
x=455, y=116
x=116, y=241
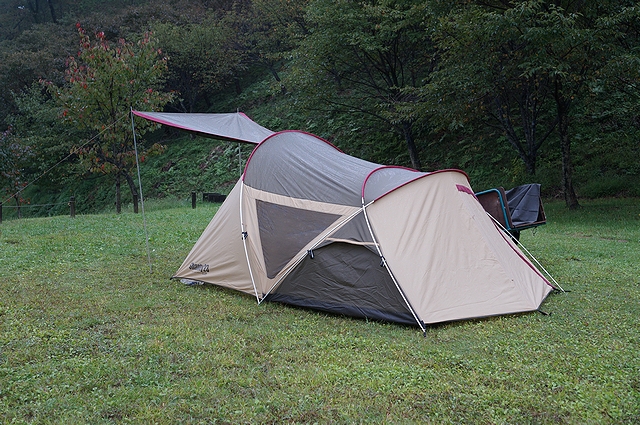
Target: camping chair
x=516, y=209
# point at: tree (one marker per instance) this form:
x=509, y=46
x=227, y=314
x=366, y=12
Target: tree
x=613, y=110
x=368, y=58
x=266, y=31
x=619, y=81
x=14, y=157
x=203, y=60
x=37, y=125
x=37, y=10
x=574, y=49
x=214, y=52
x=482, y=73
x=104, y=82
x=562, y=47
x=36, y=53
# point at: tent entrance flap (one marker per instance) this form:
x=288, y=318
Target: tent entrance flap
x=344, y=279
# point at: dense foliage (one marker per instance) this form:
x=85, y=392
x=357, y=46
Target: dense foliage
x=510, y=91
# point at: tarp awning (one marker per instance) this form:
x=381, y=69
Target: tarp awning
x=235, y=127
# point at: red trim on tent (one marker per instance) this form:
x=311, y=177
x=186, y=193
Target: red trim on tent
x=159, y=121
x=465, y=189
x=411, y=181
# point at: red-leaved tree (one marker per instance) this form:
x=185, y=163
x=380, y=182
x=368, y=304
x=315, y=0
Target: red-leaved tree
x=104, y=82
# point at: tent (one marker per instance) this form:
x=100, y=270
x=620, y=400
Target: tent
x=310, y=226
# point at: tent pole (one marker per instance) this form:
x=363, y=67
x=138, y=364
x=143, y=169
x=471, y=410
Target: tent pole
x=528, y=253
x=144, y=218
x=244, y=243
x=386, y=266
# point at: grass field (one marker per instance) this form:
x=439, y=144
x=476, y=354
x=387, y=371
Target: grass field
x=90, y=334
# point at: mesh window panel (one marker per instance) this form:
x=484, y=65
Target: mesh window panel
x=284, y=231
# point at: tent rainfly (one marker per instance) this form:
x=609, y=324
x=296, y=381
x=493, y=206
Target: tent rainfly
x=311, y=226
x=233, y=127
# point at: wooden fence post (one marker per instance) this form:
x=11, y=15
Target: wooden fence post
x=72, y=206
x=193, y=200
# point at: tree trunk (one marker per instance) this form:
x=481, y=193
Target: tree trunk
x=133, y=189
x=411, y=145
x=528, y=156
x=562, y=105
x=118, y=198
x=274, y=72
x=53, y=11
x=570, y=198
x=528, y=117
x=34, y=8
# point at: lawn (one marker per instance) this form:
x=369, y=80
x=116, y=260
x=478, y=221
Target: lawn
x=90, y=332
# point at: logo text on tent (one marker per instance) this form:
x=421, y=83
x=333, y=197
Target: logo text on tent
x=202, y=268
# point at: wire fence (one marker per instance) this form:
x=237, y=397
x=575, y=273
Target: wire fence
x=19, y=209
x=34, y=205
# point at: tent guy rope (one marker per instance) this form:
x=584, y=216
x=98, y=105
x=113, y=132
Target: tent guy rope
x=528, y=253
x=144, y=217
x=73, y=152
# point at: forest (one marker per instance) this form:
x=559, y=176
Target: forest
x=511, y=92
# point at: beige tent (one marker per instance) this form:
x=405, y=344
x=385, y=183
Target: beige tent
x=311, y=226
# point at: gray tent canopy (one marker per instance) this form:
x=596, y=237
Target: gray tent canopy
x=235, y=127
x=311, y=226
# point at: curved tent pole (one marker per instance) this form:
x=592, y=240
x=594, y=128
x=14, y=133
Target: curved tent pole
x=386, y=266
x=244, y=243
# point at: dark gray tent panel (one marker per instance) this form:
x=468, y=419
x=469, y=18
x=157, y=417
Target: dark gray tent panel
x=285, y=230
x=355, y=231
x=313, y=170
x=344, y=279
x=383, y=180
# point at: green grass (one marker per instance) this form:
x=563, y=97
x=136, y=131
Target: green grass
x=89, y=334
